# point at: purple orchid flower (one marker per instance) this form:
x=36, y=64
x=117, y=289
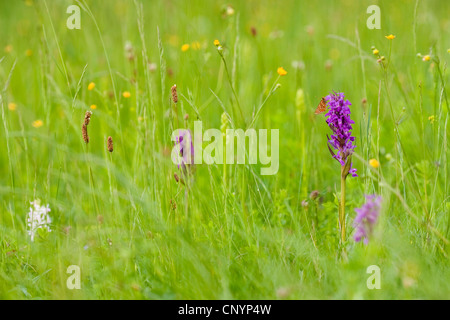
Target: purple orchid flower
x=186, y=156
x=338, y=119
x=366, y=218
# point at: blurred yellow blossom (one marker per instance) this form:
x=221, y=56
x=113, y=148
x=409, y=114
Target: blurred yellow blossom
x=37, y=123
x=281, y=71
x=126, y=94
x=432, y=119
x=185, y=47
x=375, y=51
x=426, y=58
x=91, y=86
x=216, y=43
x=12, y=106
x=8, y=48
x=390, y=37
x=29, y=53
x=374, y=163
x=93, y=107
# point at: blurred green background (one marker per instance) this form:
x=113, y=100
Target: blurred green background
x=138, y=234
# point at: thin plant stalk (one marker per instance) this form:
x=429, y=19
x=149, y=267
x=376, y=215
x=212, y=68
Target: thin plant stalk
x=232, y=87
x=342, y=205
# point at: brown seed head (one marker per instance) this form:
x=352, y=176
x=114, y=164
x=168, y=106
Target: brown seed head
x=85, y=133
x=314, y=194
x=174, y=93
x=87, y=117
x=178, y=179
x=110, y=144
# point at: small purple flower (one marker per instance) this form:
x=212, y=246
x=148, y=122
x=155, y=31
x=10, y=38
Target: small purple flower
x=186, y=156
x=338, y=119
x=366, y=218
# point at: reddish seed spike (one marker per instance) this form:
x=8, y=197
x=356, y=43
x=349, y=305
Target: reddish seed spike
x=322, y=107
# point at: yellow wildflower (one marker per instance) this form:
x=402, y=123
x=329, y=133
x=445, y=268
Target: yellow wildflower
x=216, y=43
x=37, y=123
x=8, y=48
x=390, y=37
x=374, y=163
x=432, y=119
x=281, y=71
x=12, y=106
x=93, y=107
x=426, y=58
x=91, y=86
x=185, y=47
x=126, y=94
x=29, y=53
x=375, y=51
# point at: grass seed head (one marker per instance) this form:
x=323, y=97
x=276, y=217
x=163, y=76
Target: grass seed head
x=174, y=93
x=85, y=133
x=87, y=119
x=110, y=144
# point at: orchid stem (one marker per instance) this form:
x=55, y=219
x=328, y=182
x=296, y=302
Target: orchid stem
x=342, y=207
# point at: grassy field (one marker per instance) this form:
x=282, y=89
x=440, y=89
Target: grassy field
x=228, y=232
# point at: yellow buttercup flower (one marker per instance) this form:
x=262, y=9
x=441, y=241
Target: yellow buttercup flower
x=216, y=43
x=281, y=71
x=126, y=94
x=38, y=123
x=29, y=53
x=375, y=51
x=185, y=47
x=426, y=58
x=374, y=163
x=93, y=107
x=12, y=106
x=91, y=86
x=390, y=37
x=8, y=48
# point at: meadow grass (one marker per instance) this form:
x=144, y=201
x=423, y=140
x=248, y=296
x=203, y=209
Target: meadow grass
x=228, y=233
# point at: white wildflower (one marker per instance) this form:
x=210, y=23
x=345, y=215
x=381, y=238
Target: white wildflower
x=152, y=66
x=38, y=217
x=128, y=47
